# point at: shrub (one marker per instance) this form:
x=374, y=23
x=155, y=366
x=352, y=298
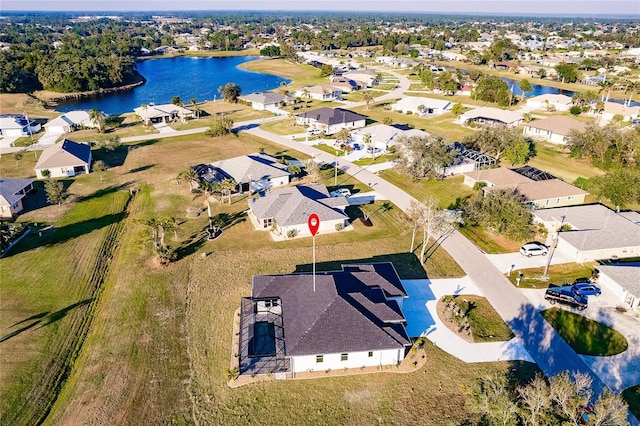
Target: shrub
x=339, y=227
x=291, y=233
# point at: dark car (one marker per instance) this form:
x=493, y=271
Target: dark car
x=566, y=296
x=586, y=289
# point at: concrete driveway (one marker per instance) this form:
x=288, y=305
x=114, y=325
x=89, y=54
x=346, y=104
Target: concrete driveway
x=422, y=320
x=514, y=261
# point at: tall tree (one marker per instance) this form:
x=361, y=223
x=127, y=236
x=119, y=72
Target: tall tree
x=55, y=190
x=429, y=217
x=525, y=86
x=367, y=97
x=97, y=118
x=230, y=92
x=425, y=157
x=189, y=175
x=193, y=102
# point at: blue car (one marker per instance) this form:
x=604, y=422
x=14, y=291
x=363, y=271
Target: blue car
x=586, y=289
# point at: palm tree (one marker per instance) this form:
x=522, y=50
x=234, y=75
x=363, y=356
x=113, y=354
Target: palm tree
x=306, y=94
x=190, y=175
x=367, y=97
x=227, y=187
x=343, y=136
x=194, y=104
x=97, y=118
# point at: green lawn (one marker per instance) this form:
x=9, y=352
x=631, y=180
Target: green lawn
x=446, y=191
x=632, y=397
x=486, y=324
x=585, y=336
x=555, y=160
x=557, y=274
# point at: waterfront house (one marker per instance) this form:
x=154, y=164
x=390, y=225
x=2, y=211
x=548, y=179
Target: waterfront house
x=15, y=125
x=550, y=102
x=264, y=101
x=64, y=159
x=350, y=318
x=491, y=116
x=68, y=122
x=162, y=113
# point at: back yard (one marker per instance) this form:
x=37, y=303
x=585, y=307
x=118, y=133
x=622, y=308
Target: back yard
x=122, y=338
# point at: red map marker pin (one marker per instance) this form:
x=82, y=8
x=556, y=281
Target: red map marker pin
x=314, y=223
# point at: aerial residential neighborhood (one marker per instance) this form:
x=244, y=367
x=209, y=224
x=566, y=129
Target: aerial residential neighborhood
x=265, y=216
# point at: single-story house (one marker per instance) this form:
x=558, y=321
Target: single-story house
x=553, y=129
x=346, y=85
x=68, y=122
x=382, y=135
x=594, y=80
x=421, y=106
x=597, y=232
x=506, y=65
x=350, y=318
x=64, y=159
x=267, y=100
x=253, y=172
x=550, y=102
x=12, y=191
x=17, y=125
x=545, y=193
x=365, y=76
x=287, y=210
x=622, y=280
x=611, y=109
x=331, y=120
x=319, y=92
x=162, y=113
x=491, y=116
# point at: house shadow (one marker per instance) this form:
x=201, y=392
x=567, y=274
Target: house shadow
x=111, y=157
x=43, y=319
x=407, y=265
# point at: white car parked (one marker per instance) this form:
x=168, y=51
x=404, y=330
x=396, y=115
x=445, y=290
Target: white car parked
x=341, y=192
x=534, y=249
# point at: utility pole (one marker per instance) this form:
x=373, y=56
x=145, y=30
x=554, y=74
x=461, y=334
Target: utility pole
x=335, y=179
x=554, y=243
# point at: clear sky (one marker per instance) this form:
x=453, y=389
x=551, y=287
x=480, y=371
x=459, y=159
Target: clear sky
x=513, y=7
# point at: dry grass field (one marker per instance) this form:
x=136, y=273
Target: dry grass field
x=124, y=340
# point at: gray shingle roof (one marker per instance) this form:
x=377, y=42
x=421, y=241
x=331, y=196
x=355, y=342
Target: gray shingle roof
x=265, y=98
x=330, y=116
x=9, y=189
x=66, y=153
x=625, y=276
x=293, y=205
x=347, y=312
x=252, y=167
x=594, y=226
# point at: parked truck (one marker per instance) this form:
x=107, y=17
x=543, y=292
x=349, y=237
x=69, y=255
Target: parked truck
x=566, y=296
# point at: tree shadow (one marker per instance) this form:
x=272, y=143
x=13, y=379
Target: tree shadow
x=111, y=157
x=43, y=319
x=141, y=169
x=407, y=265
x=197, y=239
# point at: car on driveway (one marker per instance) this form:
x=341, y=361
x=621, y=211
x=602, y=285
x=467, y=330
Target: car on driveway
x=313, y=131
x=534, y=249
x=341, y=192
x=586, y=289
x=566, y=296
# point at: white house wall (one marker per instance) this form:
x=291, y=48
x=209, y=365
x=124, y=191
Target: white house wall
x=355, y=360
x=618, y=291
x=589, y=255
x=326, y=227
x=544, y=134
x=570, y=200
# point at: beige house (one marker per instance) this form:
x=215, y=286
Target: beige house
x=553, y=129
x=64, y=159
x=12, y=191
x=544, y=193
x=162, y=113
x=319, y=92
x=550, y=102
x=611, y=109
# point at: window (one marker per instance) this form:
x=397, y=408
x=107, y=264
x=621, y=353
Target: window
x=271, y=303
x=344, y=357
x=370, y=354
x=319, y=359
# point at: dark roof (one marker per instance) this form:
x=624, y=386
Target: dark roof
x=329, y=116
x=10, y=189
x=66, y=153
x=348, y=311
x=533, y=173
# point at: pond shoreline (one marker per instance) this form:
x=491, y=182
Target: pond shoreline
x=51, y=99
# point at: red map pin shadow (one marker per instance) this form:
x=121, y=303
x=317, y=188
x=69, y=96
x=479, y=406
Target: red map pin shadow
x=314, y=223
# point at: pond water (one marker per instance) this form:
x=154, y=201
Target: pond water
x=186, y=77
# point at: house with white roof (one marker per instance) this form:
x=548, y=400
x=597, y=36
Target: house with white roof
x=554, y=129
x=14, y=125
x=254, y=172
x=286, y=210
x=422, y=106
x=162, y=113
x=550, y=102
x=12, y=191
x=64, y=159
x=597, y=232
x=491, y=116
x=622, y=280
x=319, y=92
x=68, y=122
x=350, y=318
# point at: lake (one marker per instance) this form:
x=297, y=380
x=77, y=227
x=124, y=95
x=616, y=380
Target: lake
x=187, y=77
x=539, y=89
